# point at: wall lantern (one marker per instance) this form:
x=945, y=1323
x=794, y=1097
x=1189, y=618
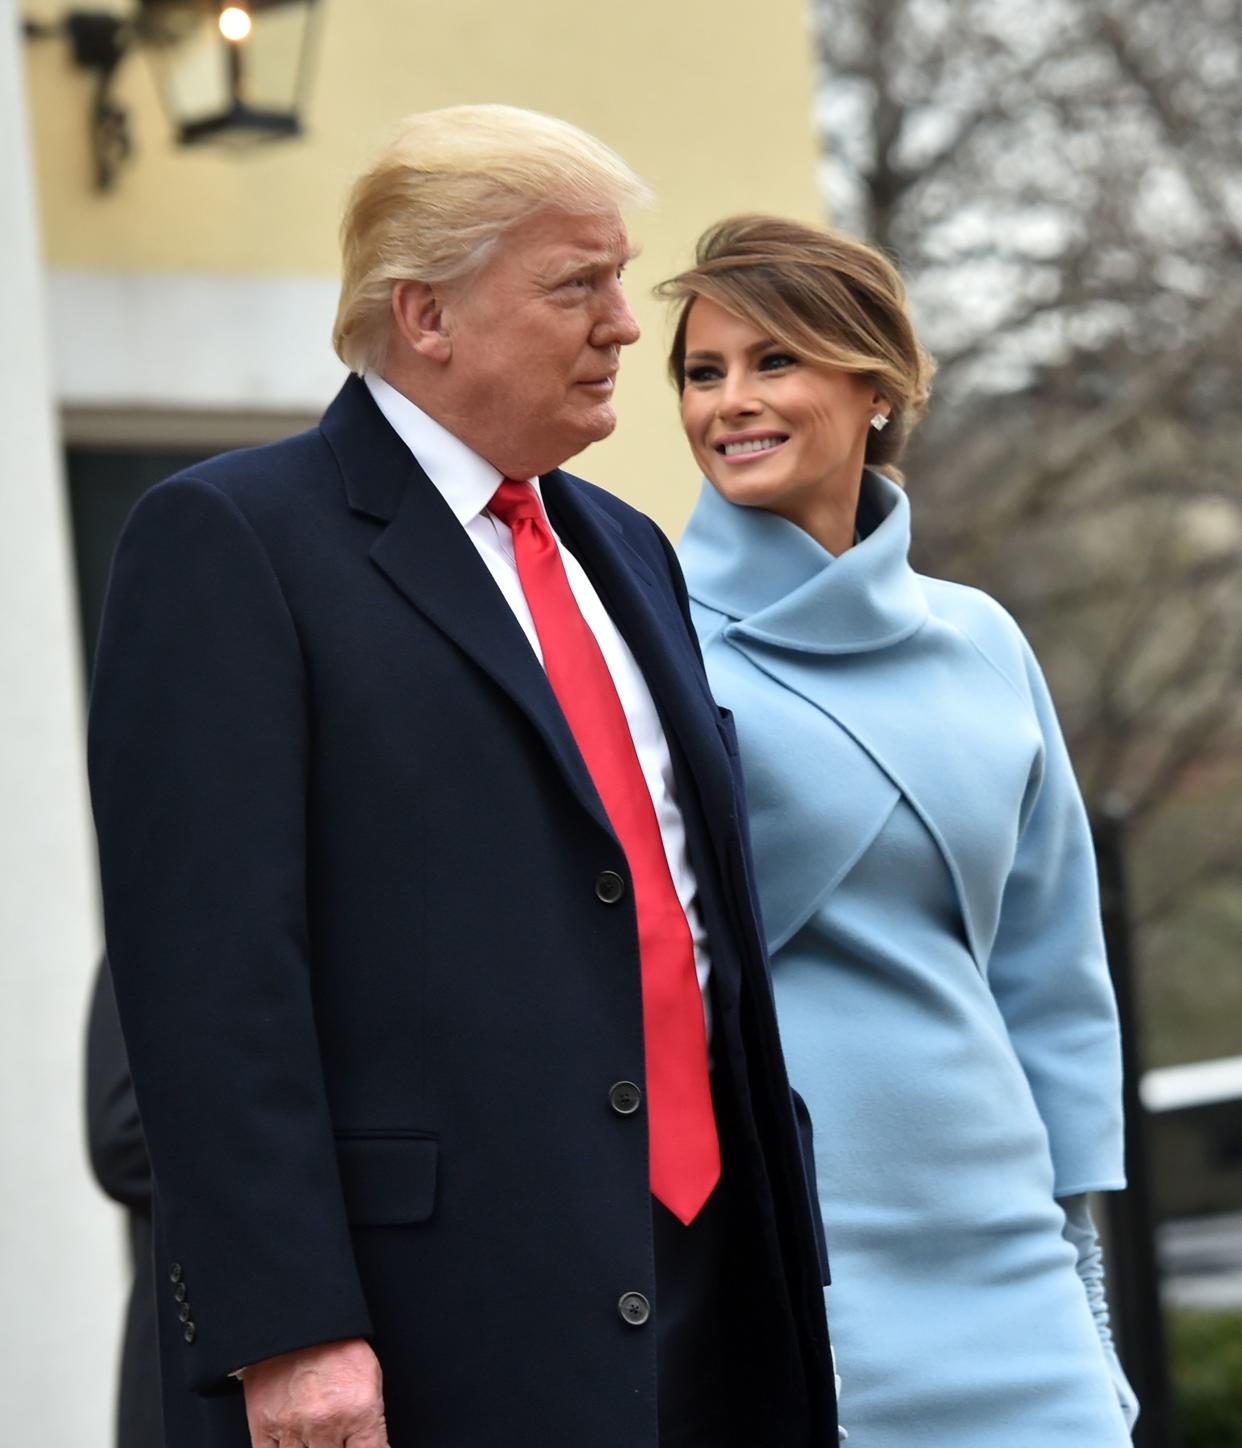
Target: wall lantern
x=234, y=74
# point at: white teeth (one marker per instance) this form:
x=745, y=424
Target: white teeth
x=752, y=444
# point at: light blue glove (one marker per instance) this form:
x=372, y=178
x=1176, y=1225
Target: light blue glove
x=1080, y=1233
x=842, y=1435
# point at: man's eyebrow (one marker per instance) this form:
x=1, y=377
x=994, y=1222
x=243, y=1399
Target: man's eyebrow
x=589, y=260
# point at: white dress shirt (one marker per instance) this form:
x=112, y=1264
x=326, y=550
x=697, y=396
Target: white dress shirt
x=467, y=483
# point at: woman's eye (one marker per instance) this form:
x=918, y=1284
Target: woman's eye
x=774, y=361
x=702, y=374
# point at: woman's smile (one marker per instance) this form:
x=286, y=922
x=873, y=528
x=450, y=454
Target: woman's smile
x=746, y=447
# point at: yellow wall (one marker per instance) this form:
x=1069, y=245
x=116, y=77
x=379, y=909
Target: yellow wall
x=709, y=100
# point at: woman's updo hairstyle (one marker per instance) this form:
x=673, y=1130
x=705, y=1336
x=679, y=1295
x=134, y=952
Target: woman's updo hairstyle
x=831, y=300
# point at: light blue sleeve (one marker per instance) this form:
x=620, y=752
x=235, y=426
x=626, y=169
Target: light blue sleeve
x=1049, y=974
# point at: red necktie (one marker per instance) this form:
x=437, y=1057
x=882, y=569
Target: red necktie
x=684, y=1151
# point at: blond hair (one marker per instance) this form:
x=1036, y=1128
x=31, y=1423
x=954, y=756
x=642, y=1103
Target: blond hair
x=440, y=196
x=831, y=300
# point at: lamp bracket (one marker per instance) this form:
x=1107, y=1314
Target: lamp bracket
x=98, y=42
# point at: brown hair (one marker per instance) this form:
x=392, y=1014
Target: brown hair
x=833, y=301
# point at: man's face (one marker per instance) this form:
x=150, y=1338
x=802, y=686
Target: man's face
x=536, y=339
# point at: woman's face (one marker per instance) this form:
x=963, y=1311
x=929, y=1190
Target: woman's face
x=769, y=430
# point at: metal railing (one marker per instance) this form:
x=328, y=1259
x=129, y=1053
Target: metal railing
x=1129, y=1221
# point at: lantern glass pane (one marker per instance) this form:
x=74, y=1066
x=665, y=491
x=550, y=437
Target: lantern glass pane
x=271, y=60
x=196, y=74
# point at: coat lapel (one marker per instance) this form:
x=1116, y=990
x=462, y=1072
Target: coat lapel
x=815, y=803
x=651, y=624
x=428, y=557
x=967, y=782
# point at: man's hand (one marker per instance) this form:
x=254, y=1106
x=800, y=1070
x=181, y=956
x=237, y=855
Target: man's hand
x=329, y=1396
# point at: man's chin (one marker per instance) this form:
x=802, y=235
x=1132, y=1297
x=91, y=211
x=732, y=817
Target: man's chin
x=601, y=424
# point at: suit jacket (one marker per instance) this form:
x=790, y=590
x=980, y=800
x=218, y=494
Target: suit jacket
x=119, y=1159
x=373, y=999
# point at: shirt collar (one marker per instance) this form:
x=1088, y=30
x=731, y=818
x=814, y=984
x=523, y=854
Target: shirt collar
x=465, y=480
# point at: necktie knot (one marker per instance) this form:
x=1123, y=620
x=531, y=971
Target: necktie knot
x=515, y=502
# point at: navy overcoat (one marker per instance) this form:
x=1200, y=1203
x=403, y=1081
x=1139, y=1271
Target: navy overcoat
x=373, y=1001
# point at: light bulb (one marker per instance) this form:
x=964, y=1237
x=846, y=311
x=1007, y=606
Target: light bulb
x=234, y=23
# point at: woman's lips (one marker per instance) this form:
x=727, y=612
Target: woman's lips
x=747, y=450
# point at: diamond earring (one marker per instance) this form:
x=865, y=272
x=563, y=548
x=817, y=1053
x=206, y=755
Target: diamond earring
x=879, y=422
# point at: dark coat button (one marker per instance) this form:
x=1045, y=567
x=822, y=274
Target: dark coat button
x=189, y=1332
x=625, y=1098
x=609, y=887
x=183, y=1312
x=174, y=1272
x=634, y=1308
x=179, y=1292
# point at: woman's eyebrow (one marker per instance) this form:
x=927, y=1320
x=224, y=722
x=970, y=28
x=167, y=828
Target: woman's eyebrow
x=760, y=346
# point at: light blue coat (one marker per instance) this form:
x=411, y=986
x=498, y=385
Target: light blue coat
x=926, y=874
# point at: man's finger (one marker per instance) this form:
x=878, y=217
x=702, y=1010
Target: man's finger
x=376, y=1437
x=333, y=1434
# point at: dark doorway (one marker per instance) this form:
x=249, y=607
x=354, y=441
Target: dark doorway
x=104, y=484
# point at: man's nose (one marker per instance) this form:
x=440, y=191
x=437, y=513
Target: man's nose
x=618, y=327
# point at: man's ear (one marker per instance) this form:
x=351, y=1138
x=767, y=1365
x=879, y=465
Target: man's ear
x=418, y=315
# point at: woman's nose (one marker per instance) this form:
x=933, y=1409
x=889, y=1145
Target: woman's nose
x=736, y=397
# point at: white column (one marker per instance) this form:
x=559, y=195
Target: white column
x=61, y=1265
